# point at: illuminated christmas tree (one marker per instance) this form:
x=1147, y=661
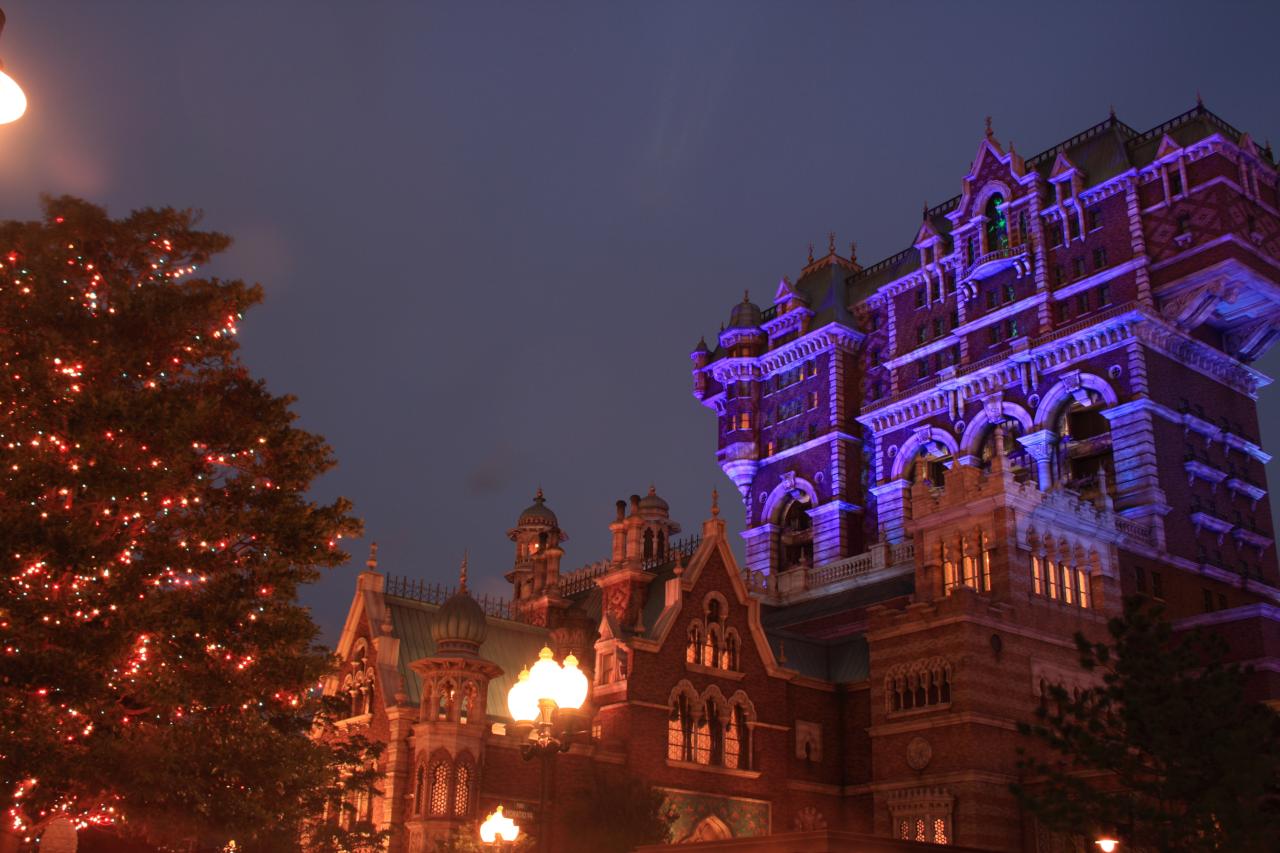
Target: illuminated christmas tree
x=154, y=529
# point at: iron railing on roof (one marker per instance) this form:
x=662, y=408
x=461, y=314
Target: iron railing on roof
x=768, y=313
x=679, y=547
x=438, y=593
x=1083, y=136
x=1198, y=111
x=880, y=265
x=583, y=578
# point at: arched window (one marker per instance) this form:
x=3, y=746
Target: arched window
x=680, y=729
x=662, y=544
x=730, y=658
x=444, y=700
x=1084, y=446
x=997, y=224
x=693, y=649
x=797, y=533
x=713, y=611
x=1017, y=458
x=439, y=800
x=462, y=790
x=711, y=650
x=420, y=790
x=648, y=545
x=713, y=730
x=468, y=707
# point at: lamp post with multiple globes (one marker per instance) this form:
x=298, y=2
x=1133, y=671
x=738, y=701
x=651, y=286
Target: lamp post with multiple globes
x=545, y=703
x=13, y=102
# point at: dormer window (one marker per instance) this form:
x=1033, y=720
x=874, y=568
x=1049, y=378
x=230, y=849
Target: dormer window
x=997, y=224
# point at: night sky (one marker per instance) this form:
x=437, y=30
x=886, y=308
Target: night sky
x=491, y=234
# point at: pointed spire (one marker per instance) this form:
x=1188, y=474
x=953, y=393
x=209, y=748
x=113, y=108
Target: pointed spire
x=462, y=575
x=372, y=562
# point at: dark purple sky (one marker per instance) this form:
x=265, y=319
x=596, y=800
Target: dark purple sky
x=490, y=235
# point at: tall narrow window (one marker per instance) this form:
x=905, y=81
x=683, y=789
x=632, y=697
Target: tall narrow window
x=997, y=225
x=440, y=788
x=462, y=791
x=693, y=650
x=1037, y=578
x=420, y=790
x=1052, y=579
x=1082, y=587
x=1068, y=584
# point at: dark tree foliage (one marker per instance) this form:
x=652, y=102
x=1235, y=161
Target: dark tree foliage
x=1166, y=752
x=158, y=671
x=618, y=813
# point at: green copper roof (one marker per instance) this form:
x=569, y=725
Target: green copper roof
x=511, y=645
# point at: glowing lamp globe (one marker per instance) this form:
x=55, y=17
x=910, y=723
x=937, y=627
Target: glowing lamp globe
x=1107, y=845
x=522, y=701
x=573, y=685
x=498, y=826
x=545, y=676
x=13, y=102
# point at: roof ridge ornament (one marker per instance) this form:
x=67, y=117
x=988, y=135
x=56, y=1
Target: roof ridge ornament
x=990, y=133
x=372, y=562
x=715, y=503
x=462, y=575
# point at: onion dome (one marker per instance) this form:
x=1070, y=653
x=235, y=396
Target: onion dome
x=459, y=626
x=538, y=514
x=745, y=315
x=654, y=503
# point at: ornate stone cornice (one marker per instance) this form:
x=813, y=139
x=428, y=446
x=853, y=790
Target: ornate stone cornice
x=833, y=336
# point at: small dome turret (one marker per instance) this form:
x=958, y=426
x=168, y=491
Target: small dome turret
x=459, y=626
x=651, y=504
x=538, y=513
x=746, y=314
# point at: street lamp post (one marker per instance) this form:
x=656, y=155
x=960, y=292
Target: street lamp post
x=13, y=102
x=544, y=703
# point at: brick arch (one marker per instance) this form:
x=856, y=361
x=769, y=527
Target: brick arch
x=971, y=441
x=1061, y=392
x=907, y=453
x=990, y=188
x=778, y=497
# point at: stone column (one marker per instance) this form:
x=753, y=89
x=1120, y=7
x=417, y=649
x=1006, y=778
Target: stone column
x=1133, y=452
x=761, y=553
x=1040, y=446
x=831, y=523
x=891, y=507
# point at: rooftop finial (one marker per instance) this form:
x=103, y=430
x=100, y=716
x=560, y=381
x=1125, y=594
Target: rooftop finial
x=924, y=214
x=372, y=562
x=990, y=133
x=831, y=242
x=715, y=503
x=746, y=296
x=1199, y=100
x=462, y=574
x=811, y=253
x=537, y=498
x=853, y=251
x=1112, y=111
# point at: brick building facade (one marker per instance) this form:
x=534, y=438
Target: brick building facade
x=951, y=461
